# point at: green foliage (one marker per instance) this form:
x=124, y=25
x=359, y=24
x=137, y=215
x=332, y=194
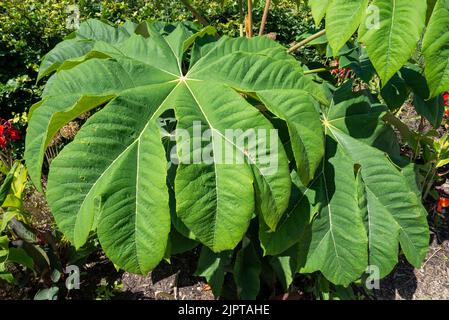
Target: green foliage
x=391, y=30
x=31, y=28
x=11, y=209
x=29, y=257
x=350, y=206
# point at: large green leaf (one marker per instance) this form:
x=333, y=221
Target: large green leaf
x=360, y=186
x=436, y=49
x=115, y=179
x=293, y=223
x=319, y=8
x=342, y=20
x=81, y=42
x=111, y=178
x=247, y=269
x=389, y=197
x=338, y=242
x=392, y=40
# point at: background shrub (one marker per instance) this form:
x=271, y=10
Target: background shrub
x=30, y=28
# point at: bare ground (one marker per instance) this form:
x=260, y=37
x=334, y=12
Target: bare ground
x=431, y=281
x=175, y=280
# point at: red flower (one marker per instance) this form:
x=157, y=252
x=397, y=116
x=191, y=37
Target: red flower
x=337, y=71
x=3, y=142
x=446, y=99
x=14, y=134
x=8, y=133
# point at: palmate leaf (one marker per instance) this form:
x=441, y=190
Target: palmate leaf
x=112, y=178
x=337, y=243
x=293, y=223
x=359, y=186
x=82, y=42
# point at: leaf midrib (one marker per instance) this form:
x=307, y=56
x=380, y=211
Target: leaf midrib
x=245, y=154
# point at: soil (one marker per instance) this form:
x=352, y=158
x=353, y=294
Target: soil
x=430, y=282
x=169, y=281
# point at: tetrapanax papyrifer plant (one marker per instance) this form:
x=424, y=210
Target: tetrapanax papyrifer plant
x=340, y=198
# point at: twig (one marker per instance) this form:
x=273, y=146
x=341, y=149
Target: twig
x=175, y=285
x=195, y=13
x=424, y=264
x=264, y=17
x=249, y=22
x=306, y=41
x=313, y=71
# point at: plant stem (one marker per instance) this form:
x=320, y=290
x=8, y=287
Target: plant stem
x=428, y=184
x=249, y=22
x=315, y=71
x=195, y=13
x=264, y=17
x=306, y=41
x=242, y=18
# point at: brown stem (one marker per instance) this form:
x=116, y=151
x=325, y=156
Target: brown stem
x=306, y=41
x=264, y=17
x=195, y=13
x=242, y=18
x=249, y=22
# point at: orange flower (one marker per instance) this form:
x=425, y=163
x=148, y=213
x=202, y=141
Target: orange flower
x=443, y=203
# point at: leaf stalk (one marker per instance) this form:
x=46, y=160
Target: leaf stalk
x=306, y=41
